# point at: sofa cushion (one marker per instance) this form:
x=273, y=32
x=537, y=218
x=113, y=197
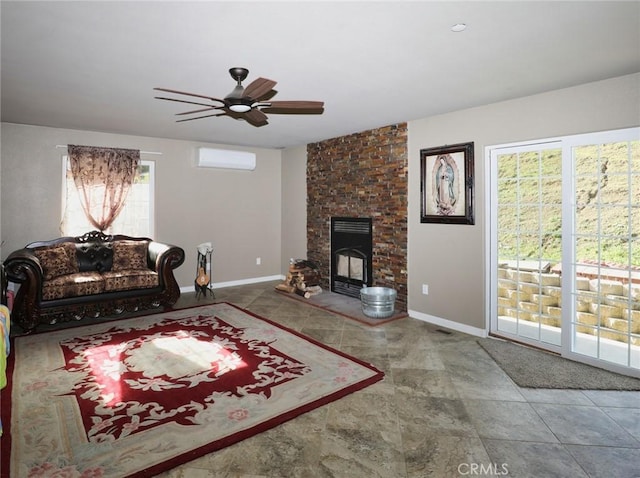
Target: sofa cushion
x=95, y=256
x=72, y=285
x=129, y=255
x=130, y=279
x=57, y=260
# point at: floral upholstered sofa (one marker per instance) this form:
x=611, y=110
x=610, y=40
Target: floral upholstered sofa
x=90, y=276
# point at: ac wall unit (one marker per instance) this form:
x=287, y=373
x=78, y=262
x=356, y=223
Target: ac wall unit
x=226, y=159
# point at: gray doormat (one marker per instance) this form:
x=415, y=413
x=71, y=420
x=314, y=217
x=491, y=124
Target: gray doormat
x=532, y=368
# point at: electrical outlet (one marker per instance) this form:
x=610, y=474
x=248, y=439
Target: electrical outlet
x=425, y=289
x=258, y=261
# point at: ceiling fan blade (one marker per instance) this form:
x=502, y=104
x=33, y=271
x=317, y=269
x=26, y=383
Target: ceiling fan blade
x=295, y=105
x=167, y=90
x=182, y=101
x=200, y=117
x=258, y=88
x=266, y=97
x=200, y=110
x=256, y=117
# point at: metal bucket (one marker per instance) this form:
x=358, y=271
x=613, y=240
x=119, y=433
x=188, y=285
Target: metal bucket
x=378, y=302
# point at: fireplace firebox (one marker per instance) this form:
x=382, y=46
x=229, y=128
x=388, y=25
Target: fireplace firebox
x=351, y=254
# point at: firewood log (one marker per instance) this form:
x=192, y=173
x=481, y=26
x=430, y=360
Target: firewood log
x=306, y=285
x=309, y=279
x=310, y=292
x=285, y=288
x=310, y=275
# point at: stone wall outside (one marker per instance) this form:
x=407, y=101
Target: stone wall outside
x=536, y=297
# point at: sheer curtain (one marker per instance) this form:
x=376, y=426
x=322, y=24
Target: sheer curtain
x=103, y=177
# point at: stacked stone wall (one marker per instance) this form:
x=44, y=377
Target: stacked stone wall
x=610, y=308
x=362, y=175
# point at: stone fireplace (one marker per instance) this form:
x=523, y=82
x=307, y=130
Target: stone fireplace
x=363, y=175
x=351, y=255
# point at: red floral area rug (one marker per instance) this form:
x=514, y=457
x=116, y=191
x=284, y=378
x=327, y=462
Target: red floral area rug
x=139, y=396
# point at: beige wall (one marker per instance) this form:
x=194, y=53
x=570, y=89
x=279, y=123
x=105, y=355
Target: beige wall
x=451, y=258
x=294, y=205
x=239, y=211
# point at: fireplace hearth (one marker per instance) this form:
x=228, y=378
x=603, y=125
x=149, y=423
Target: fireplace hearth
x=351, y=254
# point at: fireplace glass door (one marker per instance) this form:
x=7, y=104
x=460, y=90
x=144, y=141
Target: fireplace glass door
x=351, y=251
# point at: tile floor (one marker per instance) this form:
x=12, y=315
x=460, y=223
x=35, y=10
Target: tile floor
x=444, y=409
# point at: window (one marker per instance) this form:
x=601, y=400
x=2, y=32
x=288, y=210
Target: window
x=135, y=219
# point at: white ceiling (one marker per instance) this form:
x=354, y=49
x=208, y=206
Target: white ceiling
x=93, y=65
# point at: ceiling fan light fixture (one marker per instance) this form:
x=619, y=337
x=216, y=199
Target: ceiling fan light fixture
x=240, y=108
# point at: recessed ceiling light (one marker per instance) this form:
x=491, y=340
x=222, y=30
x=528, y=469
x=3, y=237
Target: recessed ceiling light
x=459, y=27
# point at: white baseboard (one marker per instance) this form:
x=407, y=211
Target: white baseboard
x=222, y=285
x=449, y=324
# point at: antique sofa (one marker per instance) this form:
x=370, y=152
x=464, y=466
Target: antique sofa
x=92, y=275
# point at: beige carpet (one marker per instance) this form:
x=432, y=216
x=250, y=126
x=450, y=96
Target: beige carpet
x=533, y=368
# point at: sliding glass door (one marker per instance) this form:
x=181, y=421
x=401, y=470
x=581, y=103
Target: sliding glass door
x=605, y=258
x=565, y=246
x=527, y=235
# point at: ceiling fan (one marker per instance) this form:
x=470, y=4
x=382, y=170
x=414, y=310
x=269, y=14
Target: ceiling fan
x=250, y=103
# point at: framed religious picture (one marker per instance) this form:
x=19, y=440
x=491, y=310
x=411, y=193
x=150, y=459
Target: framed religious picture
x=446, y=184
